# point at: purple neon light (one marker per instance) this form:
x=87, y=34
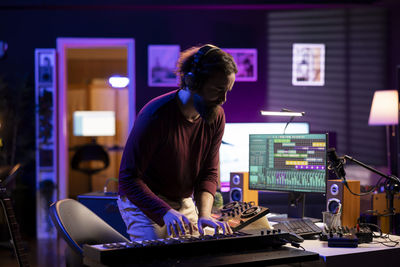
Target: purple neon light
x=310, y=167
x=307, y=148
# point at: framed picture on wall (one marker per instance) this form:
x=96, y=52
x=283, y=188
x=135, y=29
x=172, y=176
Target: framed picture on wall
x=246, y=60
x=162, y=61
x=308, y=65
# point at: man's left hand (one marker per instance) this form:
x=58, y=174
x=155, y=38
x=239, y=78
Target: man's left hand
x=213, y=223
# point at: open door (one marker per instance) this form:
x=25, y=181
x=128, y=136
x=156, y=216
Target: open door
x=84, y=65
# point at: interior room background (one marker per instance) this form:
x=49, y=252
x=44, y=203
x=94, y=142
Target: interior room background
x=358, y=39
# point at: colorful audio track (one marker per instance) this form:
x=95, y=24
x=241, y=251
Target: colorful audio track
x=288, y=162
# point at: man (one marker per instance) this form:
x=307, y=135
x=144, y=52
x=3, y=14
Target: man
x=172, y=152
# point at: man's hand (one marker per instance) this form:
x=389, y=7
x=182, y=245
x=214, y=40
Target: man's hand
x=213, y=223
x=177, y=221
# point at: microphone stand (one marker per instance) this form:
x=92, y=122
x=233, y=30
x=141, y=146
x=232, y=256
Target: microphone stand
x=392, y=187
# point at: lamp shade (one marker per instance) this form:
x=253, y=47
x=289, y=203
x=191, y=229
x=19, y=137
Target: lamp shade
x=384, y=108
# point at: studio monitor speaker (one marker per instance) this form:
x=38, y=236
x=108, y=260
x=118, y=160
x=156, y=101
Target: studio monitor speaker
x=337, y=194
x=239, y=188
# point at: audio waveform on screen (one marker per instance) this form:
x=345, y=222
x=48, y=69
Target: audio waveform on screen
x=288, y=163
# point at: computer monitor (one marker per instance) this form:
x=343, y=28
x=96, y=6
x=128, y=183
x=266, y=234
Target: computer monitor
x=234, y=150
x=293, y=163
x=94, y=123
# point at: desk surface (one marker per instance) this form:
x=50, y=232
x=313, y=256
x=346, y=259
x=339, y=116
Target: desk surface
x=322, y=248
x=369, y=254
x=266, y=257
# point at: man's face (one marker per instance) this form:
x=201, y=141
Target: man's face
x=213, y=94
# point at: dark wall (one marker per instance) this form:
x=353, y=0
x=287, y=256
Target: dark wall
x=25, y=30
x=355, y=66
x=394, y=73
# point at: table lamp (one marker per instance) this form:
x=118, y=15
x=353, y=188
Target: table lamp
x=385, y=112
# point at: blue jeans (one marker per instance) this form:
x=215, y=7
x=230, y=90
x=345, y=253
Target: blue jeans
x=140, y=227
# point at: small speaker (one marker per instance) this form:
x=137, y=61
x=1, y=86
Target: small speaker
x=337, y=194
x=105, y=206
x=239, y=188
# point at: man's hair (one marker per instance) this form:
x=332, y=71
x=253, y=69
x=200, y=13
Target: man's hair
x=216, y=60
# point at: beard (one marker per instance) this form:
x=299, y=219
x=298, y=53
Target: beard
x=207, y=111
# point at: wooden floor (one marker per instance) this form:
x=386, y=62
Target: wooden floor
x=41, y=253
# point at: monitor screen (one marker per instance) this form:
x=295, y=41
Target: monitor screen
x=234, y=150
x=94, y=123
x=288, y=162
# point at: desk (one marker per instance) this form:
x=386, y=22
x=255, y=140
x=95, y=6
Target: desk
x=365, y=255
x=284, y=256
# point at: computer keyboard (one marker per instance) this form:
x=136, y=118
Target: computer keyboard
x=302, y=227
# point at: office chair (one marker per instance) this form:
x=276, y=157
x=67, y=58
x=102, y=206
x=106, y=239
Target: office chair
x=88, y=153
x=78, y=225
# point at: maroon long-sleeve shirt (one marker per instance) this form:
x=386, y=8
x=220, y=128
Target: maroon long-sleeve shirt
x=168, y=155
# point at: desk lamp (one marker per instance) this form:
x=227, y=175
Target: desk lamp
x=283, y=113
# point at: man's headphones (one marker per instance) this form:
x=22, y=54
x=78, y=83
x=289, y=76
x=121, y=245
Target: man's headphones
x=190, y=77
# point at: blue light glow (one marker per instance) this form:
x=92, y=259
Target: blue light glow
x=118, y=81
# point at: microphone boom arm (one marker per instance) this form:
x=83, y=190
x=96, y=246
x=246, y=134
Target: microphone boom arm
x=392, y=185
x=389, y=177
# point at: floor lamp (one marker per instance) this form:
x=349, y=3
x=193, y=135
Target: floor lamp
x=385, y=112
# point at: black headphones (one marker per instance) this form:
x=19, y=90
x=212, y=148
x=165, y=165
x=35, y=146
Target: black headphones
x=190, y=77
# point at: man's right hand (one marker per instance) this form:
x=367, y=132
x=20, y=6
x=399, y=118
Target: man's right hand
x=175, y=221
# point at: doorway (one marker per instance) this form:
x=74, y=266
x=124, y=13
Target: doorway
x=85, y=65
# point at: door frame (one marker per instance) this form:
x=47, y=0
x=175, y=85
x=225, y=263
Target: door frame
x=62, y=132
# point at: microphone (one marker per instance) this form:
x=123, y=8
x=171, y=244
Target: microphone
x=336, y=163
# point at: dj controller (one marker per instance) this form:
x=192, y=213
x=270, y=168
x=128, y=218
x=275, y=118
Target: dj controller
x=241, y=214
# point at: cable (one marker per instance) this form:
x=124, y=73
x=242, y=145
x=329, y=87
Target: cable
x=374, y=212
x=386, y=236
x=292, y=243
x=365, y=193
x=393, y=241
x=386, y=243
x=291, y=119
